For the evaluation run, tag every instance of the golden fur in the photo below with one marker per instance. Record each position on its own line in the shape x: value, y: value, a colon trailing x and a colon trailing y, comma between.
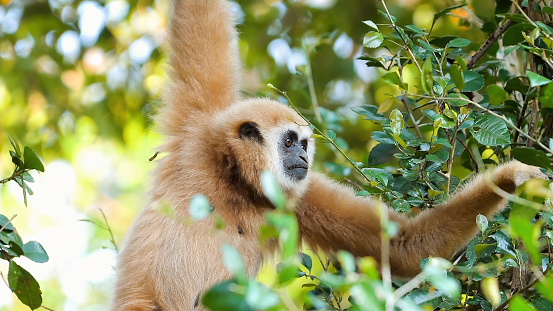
x: 166, y: 265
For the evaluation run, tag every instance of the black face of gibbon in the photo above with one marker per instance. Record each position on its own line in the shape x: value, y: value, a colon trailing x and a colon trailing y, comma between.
x: 294, y: 155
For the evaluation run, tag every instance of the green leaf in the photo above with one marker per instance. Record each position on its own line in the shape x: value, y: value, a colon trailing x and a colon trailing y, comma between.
x: 233, y: 261
x: 457, y: 99
x: 546, y: 96
x: 371, y: 24
x: 536, y: 79
x: 531, y: 156
x: 390, y: 18
x: 490, y: 130
x: 287, y: 227
x: 24, y: 285
x: 226, y: 296
x: 529, y: 234
x: 545, y: 287
x: 373, y: 39
x: 15, y: 146
x: 548, y: 30
x: 497, y: 94
x: 372, y: 61
x: 447, y: 10
x: 272, y: 190
x: 513, y: 35
x: 439, y: 156
x: 457, y: 76
x: 490, y: 288
x: 370, y: 112
x: 482, y: 222
x: 3, y: 221
x: 259, y: 297
x: 35, y: 252
x: 473, y: 81
x: 393, y: 78
x: 427, y: 80
x: 306, y: 261
x: 331, y: 134
x: 396, y: 121
x: 504, y: 243
x: 286, y: 272
x: 518, y: 303
x: 435, y: 272
x: 415, y: 29
x: 382, y: 153
x: 461, y: 62
x: 347, y: 261
x: 32, y: 162
x: 458, y: 43
x: 199, y: 207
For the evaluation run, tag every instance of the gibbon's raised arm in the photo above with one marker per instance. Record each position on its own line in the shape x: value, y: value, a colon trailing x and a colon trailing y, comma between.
x: 204, y: 64
x: 331, y: 217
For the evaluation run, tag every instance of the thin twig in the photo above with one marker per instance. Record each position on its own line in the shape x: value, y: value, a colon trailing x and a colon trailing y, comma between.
x: 9, y: 221
x: 108, y: 227
x: 471, y: 155
x: 488, y: 43
x: 401, y: 36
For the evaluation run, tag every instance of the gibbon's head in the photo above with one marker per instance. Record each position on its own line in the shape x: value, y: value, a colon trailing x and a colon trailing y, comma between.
x: 264, y: 135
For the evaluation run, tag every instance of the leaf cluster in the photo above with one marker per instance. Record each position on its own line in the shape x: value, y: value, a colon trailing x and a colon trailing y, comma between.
x: 20, y: 281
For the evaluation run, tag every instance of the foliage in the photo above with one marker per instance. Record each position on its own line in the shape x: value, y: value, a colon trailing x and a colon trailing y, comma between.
x: 426, y: 128
x: 454, y: 99
x: 20, y: 281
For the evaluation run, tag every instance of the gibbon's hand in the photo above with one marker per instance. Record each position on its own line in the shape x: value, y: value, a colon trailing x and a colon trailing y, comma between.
x: 524, y: 172
x: 514, y: 173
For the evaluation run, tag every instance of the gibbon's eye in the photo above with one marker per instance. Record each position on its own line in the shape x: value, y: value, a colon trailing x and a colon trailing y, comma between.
x: 304, y: 145
x: 288, y: 142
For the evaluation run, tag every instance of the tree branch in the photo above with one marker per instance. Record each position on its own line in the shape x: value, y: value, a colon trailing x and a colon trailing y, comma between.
x: 488, y: 43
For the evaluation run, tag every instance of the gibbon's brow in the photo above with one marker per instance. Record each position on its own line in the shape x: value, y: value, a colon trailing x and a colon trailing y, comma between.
x: 291, y: 134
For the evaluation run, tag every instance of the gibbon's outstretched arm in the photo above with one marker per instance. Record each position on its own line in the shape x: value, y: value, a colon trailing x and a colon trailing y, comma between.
x: 331, y: 217
x: 204, y: 64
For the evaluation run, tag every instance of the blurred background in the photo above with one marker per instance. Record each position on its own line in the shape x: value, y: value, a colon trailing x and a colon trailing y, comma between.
x: 80, y: 81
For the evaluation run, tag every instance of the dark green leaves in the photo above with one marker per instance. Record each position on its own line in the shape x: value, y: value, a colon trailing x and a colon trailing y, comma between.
x: 473, y: 81
x: 35, y: 252
x: 536, y: 79
x: 31, y: 160
x: 531, y: 156
x: 489, y: 130
x: 24, y: 285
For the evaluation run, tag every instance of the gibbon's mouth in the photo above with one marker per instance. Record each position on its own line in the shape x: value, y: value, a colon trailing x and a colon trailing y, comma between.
x: 298, y: 171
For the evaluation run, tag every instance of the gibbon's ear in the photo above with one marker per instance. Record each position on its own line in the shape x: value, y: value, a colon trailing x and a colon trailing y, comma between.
x: 250, y: 130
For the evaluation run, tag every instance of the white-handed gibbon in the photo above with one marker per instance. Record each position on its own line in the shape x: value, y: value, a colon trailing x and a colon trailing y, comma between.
x: 217, y: 144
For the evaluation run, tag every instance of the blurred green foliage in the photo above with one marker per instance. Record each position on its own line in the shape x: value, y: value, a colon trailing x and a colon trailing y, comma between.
x: 80, y: 80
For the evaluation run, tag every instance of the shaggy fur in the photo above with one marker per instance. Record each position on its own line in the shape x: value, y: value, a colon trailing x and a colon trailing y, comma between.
x: 167, y: 262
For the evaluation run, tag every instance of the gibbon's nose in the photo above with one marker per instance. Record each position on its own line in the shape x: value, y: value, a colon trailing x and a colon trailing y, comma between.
x: 304, y: 158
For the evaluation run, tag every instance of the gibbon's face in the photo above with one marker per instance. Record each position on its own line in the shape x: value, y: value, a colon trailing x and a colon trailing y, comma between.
x: 293, y: 155
x: 272, y: 137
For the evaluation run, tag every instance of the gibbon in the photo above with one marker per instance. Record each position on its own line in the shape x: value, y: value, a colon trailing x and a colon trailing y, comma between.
x: 217, y: 144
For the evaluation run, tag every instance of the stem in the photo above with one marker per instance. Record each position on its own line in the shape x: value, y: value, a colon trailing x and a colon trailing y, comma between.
x: 326, y: 138
x: 311, y: 86
x: 507, y: 121
x: 470, y: 154
x: 9, y: 221
x: 401, y: 36
x: 112, y: 239
x: 488, y: 43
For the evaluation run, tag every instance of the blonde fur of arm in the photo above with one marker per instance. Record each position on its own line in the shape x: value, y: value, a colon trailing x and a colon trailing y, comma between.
x: 204, y: 64
x: 331, y: 217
